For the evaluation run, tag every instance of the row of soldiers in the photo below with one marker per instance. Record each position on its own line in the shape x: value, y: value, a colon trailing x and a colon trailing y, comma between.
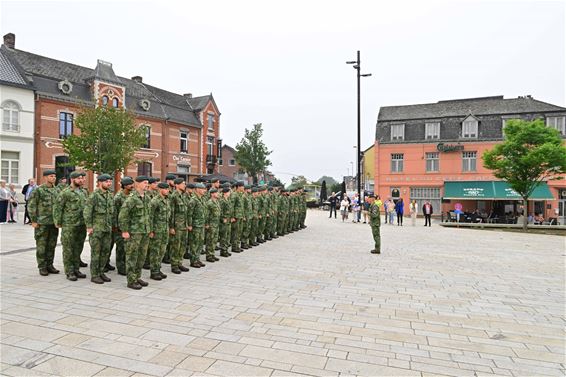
x: 153, y: 222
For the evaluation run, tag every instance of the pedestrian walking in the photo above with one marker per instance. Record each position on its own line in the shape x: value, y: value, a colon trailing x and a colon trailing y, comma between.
x: 344, y: 208
x: 427, y: 212
x: 391, y: 210
x: 375, y: 223
x: 4, y: 201
x: 41, y: 215
x: 399, y: 210
x: 413, y: 210
x: 365, y: 210
x: 13, y: 204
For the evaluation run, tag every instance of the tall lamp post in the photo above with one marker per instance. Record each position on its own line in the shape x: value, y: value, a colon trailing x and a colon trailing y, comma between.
x: 357, y: 67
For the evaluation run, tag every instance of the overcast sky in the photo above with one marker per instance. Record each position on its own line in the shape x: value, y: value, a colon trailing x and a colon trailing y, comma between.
x: 282, y: 63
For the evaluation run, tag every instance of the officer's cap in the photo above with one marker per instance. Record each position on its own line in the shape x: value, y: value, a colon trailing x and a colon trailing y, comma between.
x: 191, y: 186
x: 200, y: 186
x: 127, y: 181
x: 49, y: 172
x: 76, y: 174
x: 163, y: 185
x: 178, y: 181
x: 170, y: 177
x: 254, y: 189
x: 226, y: 189
x: 247, y: 187
x: 371, y: 196
x: 141, y: 178
x: 104, y: 178
x: 212, y: 190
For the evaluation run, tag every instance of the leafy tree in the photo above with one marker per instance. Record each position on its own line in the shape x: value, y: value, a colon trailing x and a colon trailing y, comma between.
x: 298, y: 181
x: 323, y: 192
x: 531, y: 153
x: 251, y: 153
x: 329, y: 180
x: 107, y: 140
x: 276, y: 182
x: 336, y: 187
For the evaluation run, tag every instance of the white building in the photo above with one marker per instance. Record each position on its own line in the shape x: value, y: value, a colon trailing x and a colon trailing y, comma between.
x: 17, y: 132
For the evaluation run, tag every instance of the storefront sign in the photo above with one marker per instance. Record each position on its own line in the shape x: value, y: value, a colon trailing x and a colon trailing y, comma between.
x: 441, y: 147
x: 473, y: 192
x: 181, y: 158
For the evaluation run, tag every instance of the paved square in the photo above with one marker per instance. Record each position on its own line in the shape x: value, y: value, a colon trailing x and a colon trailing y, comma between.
x: 436, y: 302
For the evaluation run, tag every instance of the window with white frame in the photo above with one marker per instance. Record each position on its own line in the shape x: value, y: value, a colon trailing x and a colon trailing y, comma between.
x: 396, y: 162
x: 184, y: 138
x: 432, y: 161
x: 147, y: 133
x: 397, y: 132
x: 10, y: 166
x: 186, y: 169
x: 65, y: 125
x: 557, y: 123
x: 470, y: 128
x: 432, y: 130
x: 144, y: 168
x: 211, y: 121
x: 423, y: 194
x: 469, y: 160
x: 232, y: 162
x: 220, y: 162
x: 11, y: 116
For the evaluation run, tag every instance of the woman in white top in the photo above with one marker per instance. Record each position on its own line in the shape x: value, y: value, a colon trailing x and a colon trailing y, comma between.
x: 344, y: 208
x: 413, y: 210
x: 4, y: 200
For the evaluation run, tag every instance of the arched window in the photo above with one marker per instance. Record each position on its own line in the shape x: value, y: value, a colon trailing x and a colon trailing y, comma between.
x: 11, y: 116
x: 104, y: 100
x: 115, y: 102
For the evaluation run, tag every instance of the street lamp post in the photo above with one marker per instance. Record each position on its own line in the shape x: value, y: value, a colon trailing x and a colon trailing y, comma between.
x: 357, y: 67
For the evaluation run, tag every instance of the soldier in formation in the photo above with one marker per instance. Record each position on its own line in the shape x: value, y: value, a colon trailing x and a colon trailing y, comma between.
x: 157, y: 223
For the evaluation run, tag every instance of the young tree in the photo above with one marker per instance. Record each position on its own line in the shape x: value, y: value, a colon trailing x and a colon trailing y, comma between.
x: 531, y: 153
x: 251, y: 153
x: 323, y: 192
x: 107, y: 141
x: 329, y: 180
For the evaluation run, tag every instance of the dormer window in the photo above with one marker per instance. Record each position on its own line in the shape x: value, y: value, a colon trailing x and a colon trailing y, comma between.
x: 397, y: 132
x: 104, y: 100
x: 470, y: 128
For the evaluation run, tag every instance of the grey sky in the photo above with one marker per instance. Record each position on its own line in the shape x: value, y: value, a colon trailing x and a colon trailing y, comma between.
x: 282, y: 63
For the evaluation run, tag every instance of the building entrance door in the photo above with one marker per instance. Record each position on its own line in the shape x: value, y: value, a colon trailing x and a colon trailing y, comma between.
x: 562, y: 211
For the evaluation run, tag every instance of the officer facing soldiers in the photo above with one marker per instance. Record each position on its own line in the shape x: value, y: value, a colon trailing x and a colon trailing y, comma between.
x: 99, y: 219
x: 68, y: 214
x: 178, y: 238
x: 375, y: 223
x: 225, y: 222
x: 127, y: 184
x: 40, y: 208
x: 196, y: 222
x: 134, y: 224
x: 213, y: 213
x: 161, y: 226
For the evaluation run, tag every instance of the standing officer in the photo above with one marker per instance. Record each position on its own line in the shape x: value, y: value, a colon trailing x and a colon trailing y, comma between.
x: 170, y: 179
x: 281, y: 212
x: 161, y: 225
x: 238, y: 214
x: 196, y: 221
x: 127, y: 184
x: 134, y: 224
x: 99, y: 218
x: 68, y: 214
x: 375, y: 223
x: 178, y: 237
x: 40, y: 208
x: 213, y: 215
x: 225, y: 221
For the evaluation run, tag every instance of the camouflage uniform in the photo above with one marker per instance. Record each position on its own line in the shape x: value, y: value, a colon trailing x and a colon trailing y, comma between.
x: 68, y: 214
x: 303, y: 209
x: 375, y: 224
x: 283, y: 208
x: 134, y: 219
x: 196, y: 219
x: 238, y: 214
x: 40, y: 208
x: 160, y: 220
x: 213, y: 213
x: 99, y: 215
x: 225, y: 218
x: 253, y: 219
x: 274, y: 213
x: 261, y: 214
x: 267, y: 210
x: 117, y: 239
x: 246, y: 220
x: 179, y: 222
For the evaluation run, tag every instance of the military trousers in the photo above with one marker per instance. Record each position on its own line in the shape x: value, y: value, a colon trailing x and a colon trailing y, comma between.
x: 73, y: 240
x: 246, y: 229
x: 274, y: 219
x: 45, y: 241
x: 267, y: 228
x: 260, y: 227
x: 136, y: 250
x: 375, y: 231
x: 224, y: 235
x: 120, y: 252
x: 280, y: 224
x: 100, y: 243
x: 157, y: 247
x: 235, y: 234
x: 211, y: 238
x: 196, y: 239
x: 178, y: 242
x: 253, y: 230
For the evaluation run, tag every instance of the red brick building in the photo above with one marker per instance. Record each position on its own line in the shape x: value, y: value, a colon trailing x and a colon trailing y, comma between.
x: 182, y: 130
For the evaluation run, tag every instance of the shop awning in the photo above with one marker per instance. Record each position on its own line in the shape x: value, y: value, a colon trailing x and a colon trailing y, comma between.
x: 490, y: 190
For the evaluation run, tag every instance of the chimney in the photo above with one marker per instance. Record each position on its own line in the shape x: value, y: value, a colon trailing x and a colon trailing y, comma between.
x: 10, y: 40
x: 188, y: 95
x: 137, y: 79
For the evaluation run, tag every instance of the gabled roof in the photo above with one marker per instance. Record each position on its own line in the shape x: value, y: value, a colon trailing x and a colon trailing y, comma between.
x: 9, y: 73
x: 199, y: 103
x: 47, y: 73
x: 464, y: 107
x: 228, y: 147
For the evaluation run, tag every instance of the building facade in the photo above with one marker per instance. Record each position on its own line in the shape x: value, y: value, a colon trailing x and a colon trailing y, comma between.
x: 176, y: 140
x: 228, y: 166
x: 420, y: 150
x: 17, y: 132
x: 368, y: 169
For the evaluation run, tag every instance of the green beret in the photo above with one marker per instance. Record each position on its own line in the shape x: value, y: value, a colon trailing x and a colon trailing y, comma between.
x: 226, y: 189
x: 127, y: 181
x: 212, y: 190
x: 170, y: 177
x: 104, y: 177
x: 76, y: 174
x: 49, y: 172
x: 214, y: 180
x: 226, y: 184
x: 153, y: 179
x: 163, y: 185
x: 254, y: 189
x: 141, y: 178
x: 239, y: 184
x: 200, y: 186
x: 191, y: 186
x: 247, y: 187
x: 178, y: 181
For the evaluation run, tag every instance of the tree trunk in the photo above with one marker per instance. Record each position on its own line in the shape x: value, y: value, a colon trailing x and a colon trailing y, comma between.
x: 525, y: 214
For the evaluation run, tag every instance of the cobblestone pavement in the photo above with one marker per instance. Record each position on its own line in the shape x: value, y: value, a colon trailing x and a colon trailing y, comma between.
x: 435, y: 302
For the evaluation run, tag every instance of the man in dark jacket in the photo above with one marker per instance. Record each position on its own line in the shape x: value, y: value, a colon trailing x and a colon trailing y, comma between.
x: 333, y: 201
x: 427, y: 212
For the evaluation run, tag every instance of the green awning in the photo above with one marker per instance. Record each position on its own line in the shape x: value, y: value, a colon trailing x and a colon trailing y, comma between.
x: 490, y: 190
